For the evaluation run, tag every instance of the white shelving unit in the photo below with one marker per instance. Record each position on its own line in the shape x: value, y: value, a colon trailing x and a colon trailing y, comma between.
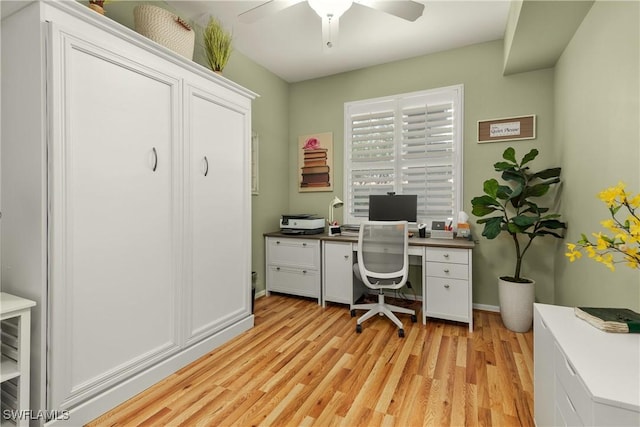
x: 15, y: 317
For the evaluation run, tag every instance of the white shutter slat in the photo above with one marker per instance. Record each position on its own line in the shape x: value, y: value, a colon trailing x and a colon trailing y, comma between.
x: 408, y: 144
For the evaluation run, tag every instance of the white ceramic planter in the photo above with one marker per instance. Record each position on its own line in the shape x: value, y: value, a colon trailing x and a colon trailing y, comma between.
x: 516, y: 304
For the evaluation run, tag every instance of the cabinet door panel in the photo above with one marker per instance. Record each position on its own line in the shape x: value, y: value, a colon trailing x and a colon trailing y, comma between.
x: 337, y: 272
x: 113, y: 291
x: 220, y: 289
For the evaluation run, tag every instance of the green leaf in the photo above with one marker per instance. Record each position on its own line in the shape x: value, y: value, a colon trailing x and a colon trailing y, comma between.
x: 490, y: 187
x: 501, y: 166
x: 515, y: 228
x: 504, y: 192
x: 484, y: 201
x: 524, y: 220
x: 492, y: 227
x: 536, y: 190
x: 480, y: 210
x: 606, y: 238
x: 514, y: 176
x: 529, y: 156
x: 548, y: 173
x: 510, y: 154
x: 553, y: 224
x: 545, y: 233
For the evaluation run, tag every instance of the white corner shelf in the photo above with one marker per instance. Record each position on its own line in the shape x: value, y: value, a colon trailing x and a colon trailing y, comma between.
x: 15, y: 318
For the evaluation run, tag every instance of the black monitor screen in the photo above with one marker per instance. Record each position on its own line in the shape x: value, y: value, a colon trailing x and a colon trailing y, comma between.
x: 397, y: 207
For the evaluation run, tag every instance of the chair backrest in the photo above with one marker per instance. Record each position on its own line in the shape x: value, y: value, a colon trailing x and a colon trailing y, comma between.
x: 383, y: 257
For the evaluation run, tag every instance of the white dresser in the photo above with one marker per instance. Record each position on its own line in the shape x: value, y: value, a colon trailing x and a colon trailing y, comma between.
x: 583, y: 376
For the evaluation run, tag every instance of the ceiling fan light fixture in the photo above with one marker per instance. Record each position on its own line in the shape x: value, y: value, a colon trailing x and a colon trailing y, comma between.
x: 330, y: 8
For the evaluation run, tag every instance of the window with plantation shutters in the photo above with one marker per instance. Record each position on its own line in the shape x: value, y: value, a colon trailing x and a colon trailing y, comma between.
x: 407, y: 144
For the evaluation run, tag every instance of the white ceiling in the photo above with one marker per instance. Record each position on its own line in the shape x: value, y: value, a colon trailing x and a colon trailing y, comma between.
x: 289, y: 43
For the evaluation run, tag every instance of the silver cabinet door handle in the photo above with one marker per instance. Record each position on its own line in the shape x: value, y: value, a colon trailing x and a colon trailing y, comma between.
x: 155, y: 159
x: 206, y: 166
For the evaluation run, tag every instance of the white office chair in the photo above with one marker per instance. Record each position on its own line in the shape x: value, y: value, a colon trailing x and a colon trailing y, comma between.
x: 383, y: 263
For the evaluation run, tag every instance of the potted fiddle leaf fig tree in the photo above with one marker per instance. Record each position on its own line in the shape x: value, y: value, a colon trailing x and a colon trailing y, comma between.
x: 511, y: 208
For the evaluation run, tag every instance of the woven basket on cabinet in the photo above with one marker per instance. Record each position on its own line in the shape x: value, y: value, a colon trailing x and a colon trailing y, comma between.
x: 165, y: 28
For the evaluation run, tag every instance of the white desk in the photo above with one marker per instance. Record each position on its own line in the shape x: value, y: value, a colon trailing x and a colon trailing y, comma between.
x: 320, y: 266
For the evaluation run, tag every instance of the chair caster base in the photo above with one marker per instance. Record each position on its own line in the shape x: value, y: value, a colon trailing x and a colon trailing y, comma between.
x: 401, y: 333
x: 414, y: 319
x: 359, y: 328
x: 353, y: 313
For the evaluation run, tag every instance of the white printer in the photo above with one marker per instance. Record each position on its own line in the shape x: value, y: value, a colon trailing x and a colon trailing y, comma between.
x: 301, y: 224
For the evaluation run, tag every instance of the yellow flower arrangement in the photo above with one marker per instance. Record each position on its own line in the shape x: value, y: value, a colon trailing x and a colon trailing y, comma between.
x: 624, y: 240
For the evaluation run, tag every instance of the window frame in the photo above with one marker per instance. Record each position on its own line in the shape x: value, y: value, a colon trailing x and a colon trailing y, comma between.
x: 400, y: 103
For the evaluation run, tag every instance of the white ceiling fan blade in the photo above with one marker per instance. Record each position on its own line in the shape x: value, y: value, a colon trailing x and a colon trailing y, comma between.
x: 265, y: 9
x: 409, y: 10
x: 329, y: 33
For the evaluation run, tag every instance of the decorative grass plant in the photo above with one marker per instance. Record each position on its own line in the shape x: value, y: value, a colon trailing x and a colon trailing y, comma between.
x: 217, y: 44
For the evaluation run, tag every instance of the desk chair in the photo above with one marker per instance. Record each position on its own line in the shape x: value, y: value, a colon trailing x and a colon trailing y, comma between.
x: 383, y: 263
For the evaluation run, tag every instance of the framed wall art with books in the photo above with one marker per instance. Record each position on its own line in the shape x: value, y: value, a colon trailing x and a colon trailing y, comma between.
x: 315, y: 160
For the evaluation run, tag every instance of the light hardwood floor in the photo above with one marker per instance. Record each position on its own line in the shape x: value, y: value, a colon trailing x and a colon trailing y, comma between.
x: 304, y: 365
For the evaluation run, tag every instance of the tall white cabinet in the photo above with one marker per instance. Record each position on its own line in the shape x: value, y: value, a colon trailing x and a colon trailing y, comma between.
x: 123, y: 165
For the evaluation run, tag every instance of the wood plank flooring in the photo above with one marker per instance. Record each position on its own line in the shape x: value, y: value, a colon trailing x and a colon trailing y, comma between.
x: 302, y: 365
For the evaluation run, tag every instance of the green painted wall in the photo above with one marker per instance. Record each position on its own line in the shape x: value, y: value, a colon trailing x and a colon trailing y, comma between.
x: 598, y: 144
x: 318, y: 106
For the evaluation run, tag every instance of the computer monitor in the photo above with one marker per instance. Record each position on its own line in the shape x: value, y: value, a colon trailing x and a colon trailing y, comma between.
x: 396, y: 207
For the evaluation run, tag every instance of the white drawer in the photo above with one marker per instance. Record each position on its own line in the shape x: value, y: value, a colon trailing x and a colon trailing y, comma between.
x: 448, y: 270
x: 456, y: 256
x: 566, y: 414
x: 572, y: 384
x: 448, y: 299
x: 294, y: 252
x: 293, y: 281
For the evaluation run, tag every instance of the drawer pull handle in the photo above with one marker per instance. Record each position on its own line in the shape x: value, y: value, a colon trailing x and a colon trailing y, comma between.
x: 446, y: 270
x: 446, y: 286
x: 570, y: 368
x: 304, y: 244
x: 155, y: 159
x: 277, y: 268
x: 346, y: 257
x: 304, y: 271
x: 573, y: 408
x: 277, y: 242
x: 446, y: 255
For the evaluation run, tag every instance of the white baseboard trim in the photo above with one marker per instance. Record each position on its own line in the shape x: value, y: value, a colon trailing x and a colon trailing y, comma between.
x: 112, y: 397
x: 409, y: 296
x: 486, y: 307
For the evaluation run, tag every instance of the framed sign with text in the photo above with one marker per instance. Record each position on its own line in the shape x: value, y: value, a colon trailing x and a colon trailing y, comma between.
x: 507, y: 129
